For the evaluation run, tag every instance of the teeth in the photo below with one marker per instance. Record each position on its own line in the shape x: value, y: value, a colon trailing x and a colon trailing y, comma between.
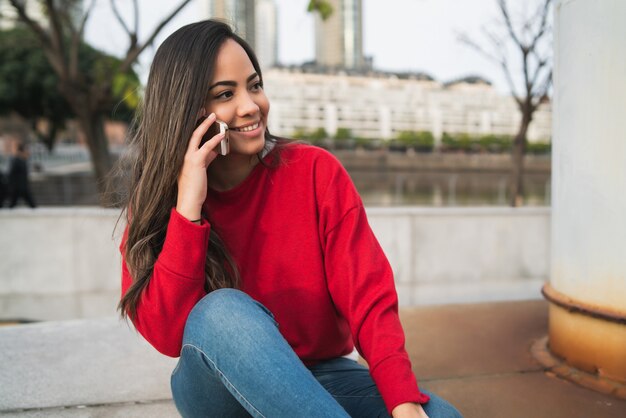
x: 248, y: 128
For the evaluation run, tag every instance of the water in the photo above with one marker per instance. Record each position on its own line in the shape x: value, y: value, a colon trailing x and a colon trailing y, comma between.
x: 446, y: 188
x: 389, y: 184
x: 377, y: 188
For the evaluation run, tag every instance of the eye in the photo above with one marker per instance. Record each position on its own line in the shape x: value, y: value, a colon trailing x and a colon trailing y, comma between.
x: 224, y: 95
x: 258, y: 85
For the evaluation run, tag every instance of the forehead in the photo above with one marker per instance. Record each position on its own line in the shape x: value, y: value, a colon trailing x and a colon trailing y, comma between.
x: 232, y: 62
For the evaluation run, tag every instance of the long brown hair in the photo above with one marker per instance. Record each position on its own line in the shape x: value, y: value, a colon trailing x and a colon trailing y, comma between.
x: 180, y: 74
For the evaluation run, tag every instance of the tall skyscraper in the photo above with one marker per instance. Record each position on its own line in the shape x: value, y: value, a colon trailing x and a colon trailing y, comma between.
x: 240, y: 14
x: 266, y: 33
x: 254, y: 20
x: 339, y: 39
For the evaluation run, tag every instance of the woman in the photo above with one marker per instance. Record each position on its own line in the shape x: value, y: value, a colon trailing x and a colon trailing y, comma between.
x: 257, y: 268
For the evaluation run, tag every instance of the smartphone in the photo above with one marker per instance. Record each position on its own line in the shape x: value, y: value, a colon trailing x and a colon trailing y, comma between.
x: 216, y: 127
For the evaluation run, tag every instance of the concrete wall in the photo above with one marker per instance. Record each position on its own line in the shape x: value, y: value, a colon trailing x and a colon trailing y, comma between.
x: 58, y: 263
x: 465, y: 254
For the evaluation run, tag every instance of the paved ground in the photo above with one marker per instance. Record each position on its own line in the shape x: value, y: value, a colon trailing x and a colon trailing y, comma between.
x: 476, y: 356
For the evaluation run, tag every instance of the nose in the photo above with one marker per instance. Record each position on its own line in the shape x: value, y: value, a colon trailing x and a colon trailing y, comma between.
x: 247, y: 106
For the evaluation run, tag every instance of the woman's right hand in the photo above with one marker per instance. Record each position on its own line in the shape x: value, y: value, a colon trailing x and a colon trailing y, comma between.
x: 192, y: 180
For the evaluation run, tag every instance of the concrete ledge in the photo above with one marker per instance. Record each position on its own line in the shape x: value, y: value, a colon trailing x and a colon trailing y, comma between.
x: 154, y: 409
x: 79, y: 362
x: 476, y: 356
x: 64, y: 263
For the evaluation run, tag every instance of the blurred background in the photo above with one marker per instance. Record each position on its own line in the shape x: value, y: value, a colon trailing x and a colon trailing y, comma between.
x: 430, y: 103
x: 439, y: 110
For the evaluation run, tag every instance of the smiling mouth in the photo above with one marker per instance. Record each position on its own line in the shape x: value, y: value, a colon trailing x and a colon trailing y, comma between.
x: 247, y: 128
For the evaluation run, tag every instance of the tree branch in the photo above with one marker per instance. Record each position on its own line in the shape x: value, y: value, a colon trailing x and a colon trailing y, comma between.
x: 136, y: 9
x: 499, y: 59
x: 50, y: 47
x: 83, y: 22
x: 507, y: 21
x: 526, y: 70
x: 56, y: 28
x: 77, y: 37
x: 463, y: 38
x: 542, y: 92
x: 543, y: 27
x: 132, y: 35
x: 509, y: 80
x: 527, y: 42
x: 36, y: 27
x: 134, y: 50
x: 541, y: 63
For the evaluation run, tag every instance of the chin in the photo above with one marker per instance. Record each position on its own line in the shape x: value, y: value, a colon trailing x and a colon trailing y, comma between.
x: 252, y: 147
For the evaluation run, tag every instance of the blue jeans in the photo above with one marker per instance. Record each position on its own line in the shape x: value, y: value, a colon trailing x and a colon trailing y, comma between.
x: 235, y: 363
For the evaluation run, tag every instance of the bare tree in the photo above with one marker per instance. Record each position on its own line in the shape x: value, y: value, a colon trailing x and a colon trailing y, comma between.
x: 528, y: 39
x: 89, y: 95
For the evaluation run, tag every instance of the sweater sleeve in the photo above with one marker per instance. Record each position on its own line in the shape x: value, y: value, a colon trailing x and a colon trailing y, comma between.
x: 361, y: 284
x: 176, y: 285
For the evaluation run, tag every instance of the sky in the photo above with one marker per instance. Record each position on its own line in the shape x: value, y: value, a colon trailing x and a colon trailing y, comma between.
x: 400, y: 35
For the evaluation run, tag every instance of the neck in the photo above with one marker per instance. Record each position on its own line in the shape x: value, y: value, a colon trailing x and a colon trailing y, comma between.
x: 227, y: 172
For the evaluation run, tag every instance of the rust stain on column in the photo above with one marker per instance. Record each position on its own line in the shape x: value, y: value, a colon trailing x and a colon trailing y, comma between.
x: 591, y: 339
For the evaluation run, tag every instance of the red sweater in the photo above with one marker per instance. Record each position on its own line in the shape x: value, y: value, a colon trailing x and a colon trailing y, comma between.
x: 305, y: 250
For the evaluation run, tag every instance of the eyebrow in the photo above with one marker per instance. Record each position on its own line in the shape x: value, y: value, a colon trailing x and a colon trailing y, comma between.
x: 233, y: 83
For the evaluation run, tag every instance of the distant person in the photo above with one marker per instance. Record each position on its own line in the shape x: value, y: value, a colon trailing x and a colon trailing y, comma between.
x: 3, y: 189
x: 18, y: 178
x: 256, y: 266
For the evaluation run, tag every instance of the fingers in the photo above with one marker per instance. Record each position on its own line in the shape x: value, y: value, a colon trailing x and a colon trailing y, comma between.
x: 198, y: 133
x: 210, y: 145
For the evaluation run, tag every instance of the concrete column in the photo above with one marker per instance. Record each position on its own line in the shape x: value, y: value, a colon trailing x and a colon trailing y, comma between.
x: 436, y: 116
x: 330, y: 119
x: 384, y: 118
x: 587, y: 289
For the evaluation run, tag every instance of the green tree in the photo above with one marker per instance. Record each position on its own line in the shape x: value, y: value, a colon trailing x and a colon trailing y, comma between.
x: 539, y: 148
x: 323, y: 7
x: 343, y: 134
x: 318, y: 135
x: 495, y: 143
x: 419, y: 141
x: 344, y: 139
x: 90, y: 91
x: 28, y: 84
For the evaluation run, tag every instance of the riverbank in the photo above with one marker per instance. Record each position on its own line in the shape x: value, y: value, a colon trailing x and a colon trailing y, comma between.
x: 366, y: 160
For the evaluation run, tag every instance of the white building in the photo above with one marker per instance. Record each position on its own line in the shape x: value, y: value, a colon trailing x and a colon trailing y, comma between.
x: 382, y: 105
x: 266, y: 33
x: 339, y: 39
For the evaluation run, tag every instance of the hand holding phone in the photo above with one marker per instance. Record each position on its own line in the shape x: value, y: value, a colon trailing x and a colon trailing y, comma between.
x: 216, y: 127
x: 192, y: 179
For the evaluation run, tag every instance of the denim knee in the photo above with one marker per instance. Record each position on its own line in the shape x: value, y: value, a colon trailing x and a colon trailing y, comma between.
x: 222, y: 314
x: 440, y: 408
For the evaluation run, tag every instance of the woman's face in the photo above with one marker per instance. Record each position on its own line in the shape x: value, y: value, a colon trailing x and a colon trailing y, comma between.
x: 237, y: 98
